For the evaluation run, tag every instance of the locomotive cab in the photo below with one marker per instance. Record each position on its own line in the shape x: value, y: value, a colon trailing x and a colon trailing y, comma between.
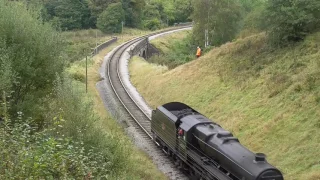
x: 209, y: 150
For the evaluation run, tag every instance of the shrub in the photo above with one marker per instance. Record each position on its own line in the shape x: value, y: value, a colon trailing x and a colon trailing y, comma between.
x: 110, y: 19
x: 291, y: 20
x: 33, y: 51
x: 29, y: 154
x: 180, y: 52
x: 70, y: 103
x: 152, y: 24
x: 221, y: 19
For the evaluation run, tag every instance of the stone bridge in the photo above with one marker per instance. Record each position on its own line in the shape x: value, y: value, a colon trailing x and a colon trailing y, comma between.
x: 144, y: 49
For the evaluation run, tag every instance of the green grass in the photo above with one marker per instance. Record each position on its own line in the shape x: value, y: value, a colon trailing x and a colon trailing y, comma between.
x: 269, y: 98
x: 137, y: 164
x: 175, y: 48
x: 82, y: 42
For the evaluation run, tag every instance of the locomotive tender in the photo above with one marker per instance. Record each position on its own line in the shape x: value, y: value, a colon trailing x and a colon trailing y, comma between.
x: 204, y: 149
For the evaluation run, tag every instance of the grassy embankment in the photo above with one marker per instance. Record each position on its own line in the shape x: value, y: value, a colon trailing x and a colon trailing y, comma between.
x: 268, y: 98
x: 138, y: 164
x: 175, y: 48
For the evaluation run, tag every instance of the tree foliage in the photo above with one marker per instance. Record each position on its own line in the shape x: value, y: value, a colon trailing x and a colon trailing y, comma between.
x: 27, y: 48
x: 291, y: 20
x: 152, y: 17
x: 160, y: 13
x: 183, y: 10
x: 221, y: 18
x: 110, y: 20
x: 69, y: 14
x: 133, y: 12
x: 82, y: 14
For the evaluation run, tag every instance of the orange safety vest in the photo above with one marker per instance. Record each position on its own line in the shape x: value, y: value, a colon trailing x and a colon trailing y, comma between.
x: 198, y: 52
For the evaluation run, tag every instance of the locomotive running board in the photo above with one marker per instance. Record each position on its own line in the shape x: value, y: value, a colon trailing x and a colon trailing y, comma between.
x: 212, y: 170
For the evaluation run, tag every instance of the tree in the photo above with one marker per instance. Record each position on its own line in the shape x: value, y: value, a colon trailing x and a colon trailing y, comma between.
x: 220, y: 18
x: 69, y: 14
x: 98, y: 6
x: 133, y: 12
x: 250, y: 5
x: 110, y: 20
x: 183, y: 10
x: 30, y: 52
x: 291, y: 20
x: 152, y: 17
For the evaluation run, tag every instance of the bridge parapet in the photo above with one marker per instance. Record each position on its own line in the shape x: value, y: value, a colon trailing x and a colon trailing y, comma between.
x: 97, y: 49
x: 144, y: 49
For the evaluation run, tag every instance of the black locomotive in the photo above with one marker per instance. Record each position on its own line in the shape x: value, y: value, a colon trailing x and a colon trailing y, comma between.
x: 204, y: 149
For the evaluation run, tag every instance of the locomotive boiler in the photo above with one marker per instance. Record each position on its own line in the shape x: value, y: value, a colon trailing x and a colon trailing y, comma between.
x: 204, y: 149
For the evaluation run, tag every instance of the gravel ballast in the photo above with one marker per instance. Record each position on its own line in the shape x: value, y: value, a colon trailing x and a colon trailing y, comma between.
x: 112, y: 105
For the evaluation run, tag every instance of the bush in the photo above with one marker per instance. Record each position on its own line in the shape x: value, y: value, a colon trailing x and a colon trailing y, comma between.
x: 31, y: 51
x: 68, y: 14
x: 152, y: 24
x: 291, y: 20
x: 110, y: 20
x: 73, y: 105
x: 6, y: 72
x: 71, y: 146
x: 180, y: 52
x: 29, y: 154
x: 221, y: 19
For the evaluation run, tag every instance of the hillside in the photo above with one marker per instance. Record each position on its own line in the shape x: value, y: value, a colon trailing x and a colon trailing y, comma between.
x: 268, y: 98
x: 176, y: 49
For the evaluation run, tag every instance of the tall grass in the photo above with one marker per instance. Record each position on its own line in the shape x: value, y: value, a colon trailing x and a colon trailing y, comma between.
x: 176, y: 49
x: 48, y: 126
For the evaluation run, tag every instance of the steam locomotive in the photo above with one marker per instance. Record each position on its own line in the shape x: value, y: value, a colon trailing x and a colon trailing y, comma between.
x: 204, y: 149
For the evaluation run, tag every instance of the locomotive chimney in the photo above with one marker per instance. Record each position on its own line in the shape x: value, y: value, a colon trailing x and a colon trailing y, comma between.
x: 260, y: 157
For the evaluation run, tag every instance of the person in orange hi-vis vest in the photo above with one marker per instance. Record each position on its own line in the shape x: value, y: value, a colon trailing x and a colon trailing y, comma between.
x: 198, y: 52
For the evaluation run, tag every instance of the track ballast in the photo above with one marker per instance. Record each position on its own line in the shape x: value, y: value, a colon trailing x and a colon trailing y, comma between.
x: 138, y: 118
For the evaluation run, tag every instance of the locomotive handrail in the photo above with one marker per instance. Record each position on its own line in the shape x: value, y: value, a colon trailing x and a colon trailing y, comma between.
x: 221, y: 153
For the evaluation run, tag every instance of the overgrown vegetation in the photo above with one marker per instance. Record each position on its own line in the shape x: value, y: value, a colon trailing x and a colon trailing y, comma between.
x: 268, y: 98
x: 291, y: 20
x: 27, y: 48
x: 111, y: 19
x: 216, y: 21
x: 175, y: 49
x: 84, y: 14
x: 48, y: 126
x: 285, y: 22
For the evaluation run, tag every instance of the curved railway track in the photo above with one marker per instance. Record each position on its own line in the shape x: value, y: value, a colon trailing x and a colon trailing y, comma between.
x: 139, y: 118
x: 138, y: 115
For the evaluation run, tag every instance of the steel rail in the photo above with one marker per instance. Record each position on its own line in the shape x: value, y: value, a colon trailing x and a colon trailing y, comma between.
x: 135, y: 111
x: 138, y: 115
x: 121, y: 50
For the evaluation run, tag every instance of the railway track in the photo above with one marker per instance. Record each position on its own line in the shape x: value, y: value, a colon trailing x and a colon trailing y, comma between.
x: 138, y: 118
